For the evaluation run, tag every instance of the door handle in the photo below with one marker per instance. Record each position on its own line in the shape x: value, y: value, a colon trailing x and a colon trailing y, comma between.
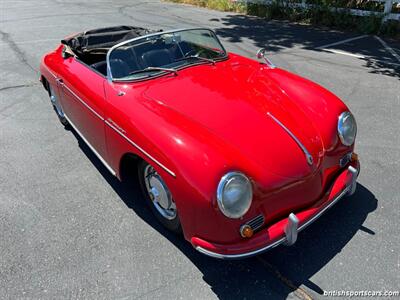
x: 60, y: 81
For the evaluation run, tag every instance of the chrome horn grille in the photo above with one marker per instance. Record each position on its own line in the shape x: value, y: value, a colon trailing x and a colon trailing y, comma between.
x: 256, y: 222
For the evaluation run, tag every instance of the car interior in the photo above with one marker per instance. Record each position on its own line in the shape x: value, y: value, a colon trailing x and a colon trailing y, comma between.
x: 91, y: 48
x: 152, y: 53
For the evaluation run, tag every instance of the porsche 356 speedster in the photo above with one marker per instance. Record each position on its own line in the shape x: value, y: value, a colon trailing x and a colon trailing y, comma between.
x: 235, y: 153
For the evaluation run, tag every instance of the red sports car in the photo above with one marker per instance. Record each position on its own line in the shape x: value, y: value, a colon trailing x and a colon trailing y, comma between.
x: 235, y: 153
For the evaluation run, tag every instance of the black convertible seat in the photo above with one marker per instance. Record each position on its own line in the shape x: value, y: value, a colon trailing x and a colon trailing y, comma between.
x: 157, y: 58
x: 119, y: 68
x: 128, y: 56
x: 100, y: 66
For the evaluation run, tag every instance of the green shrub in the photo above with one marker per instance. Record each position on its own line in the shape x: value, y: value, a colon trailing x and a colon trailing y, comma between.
x: 321, y: 14
x: 370, y: 24
x: 391, y: 28
x: 224, y: 5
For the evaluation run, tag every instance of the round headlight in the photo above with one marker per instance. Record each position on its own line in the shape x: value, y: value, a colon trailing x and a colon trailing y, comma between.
x: 347, y: 128
x: 234, y: 195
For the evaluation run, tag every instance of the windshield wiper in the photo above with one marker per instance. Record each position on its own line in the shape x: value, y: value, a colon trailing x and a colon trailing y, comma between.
x: 149, y: 69
x: 197, y: 57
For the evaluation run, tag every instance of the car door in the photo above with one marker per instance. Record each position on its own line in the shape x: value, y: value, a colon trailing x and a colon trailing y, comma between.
x: 83, y: 102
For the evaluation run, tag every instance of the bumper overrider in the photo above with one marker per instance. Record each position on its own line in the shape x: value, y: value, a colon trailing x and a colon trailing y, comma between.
x: 284, y: 231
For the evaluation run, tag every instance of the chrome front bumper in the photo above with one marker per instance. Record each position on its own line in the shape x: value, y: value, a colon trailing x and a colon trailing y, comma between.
x: 292, y: 228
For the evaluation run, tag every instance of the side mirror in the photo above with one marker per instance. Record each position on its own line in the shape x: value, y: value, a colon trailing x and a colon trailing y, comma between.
x: 261, y: 54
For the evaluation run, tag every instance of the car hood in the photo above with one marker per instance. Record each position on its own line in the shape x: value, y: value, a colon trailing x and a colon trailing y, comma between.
x: 242, y: 106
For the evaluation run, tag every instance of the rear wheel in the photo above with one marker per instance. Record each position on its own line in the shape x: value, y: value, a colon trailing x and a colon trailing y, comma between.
x: 56, y: 105
x: 158, y: 197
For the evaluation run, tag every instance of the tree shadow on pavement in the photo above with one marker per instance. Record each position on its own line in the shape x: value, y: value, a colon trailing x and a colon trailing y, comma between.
x: 275, y: 274
x: 274, y: 35
x: 278, y: 36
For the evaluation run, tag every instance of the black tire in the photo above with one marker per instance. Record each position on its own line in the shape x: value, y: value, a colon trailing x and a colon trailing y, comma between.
x: 58, y: 110
x: 174, y: 224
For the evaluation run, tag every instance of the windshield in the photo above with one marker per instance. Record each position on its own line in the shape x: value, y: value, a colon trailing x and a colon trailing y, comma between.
x: 160, y: 53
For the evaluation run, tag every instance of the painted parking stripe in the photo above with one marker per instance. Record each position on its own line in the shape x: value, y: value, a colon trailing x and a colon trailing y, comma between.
x: 343, y: 41
x: 343, y: 53
x: 388, y: 48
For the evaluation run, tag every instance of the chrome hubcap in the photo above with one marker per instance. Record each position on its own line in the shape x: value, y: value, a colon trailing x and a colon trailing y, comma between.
x: 56, y: 103
x: 159, y: 193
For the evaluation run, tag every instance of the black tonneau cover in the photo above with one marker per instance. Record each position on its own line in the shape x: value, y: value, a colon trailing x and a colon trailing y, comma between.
x: 99, y: 41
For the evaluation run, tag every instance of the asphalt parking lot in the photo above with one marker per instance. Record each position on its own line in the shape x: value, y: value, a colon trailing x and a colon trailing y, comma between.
x: 68, y: 229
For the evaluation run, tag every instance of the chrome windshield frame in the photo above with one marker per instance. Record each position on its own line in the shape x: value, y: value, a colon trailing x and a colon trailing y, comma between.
x: 109, y: 74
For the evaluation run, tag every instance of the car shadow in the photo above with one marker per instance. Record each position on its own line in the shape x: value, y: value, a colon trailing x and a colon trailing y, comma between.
x: 272, y: 275
x: 277, y: 36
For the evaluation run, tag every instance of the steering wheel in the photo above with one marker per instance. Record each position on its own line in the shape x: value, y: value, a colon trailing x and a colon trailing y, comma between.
x: 193, y: 52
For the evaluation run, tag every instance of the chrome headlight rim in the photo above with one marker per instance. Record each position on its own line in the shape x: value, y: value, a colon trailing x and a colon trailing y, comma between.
x: 341, y: 119
x: 220, y: 194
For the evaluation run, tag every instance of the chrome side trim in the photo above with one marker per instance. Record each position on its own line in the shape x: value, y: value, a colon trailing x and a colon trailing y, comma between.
x: 91, y: 147
x: 140, y: 148
x: 119, y: 131
x: 302, y: 147
x: 283, y: 239
x: 116, y: 126
x: 83, y: 102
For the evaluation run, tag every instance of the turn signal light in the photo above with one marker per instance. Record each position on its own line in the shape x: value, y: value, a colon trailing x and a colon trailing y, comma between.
x: 246, y: 231
x: 354, y: 157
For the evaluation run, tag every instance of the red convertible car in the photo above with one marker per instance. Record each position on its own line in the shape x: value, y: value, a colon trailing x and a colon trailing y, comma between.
x: 235, y: 153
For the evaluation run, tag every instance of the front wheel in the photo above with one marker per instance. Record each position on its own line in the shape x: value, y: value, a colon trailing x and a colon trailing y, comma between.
x: 57, y: 106
x: 158, y: 197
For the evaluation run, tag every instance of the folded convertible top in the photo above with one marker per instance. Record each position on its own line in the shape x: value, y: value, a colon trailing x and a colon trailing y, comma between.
x: 102, y: 39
